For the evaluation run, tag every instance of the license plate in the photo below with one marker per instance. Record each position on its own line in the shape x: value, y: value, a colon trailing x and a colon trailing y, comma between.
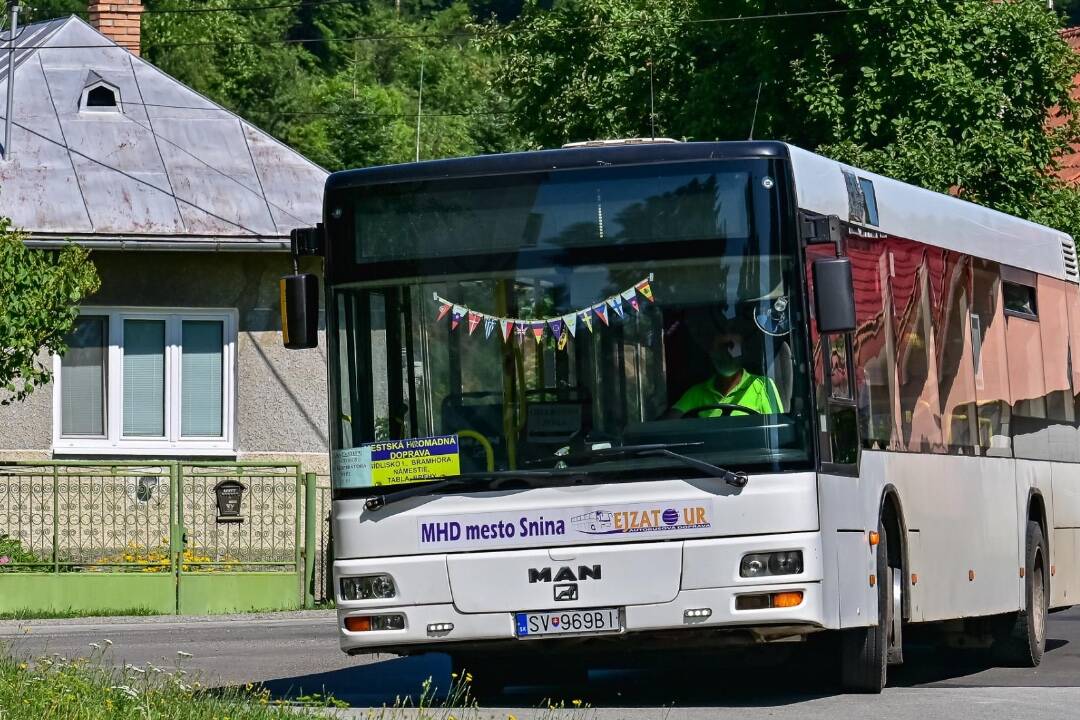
x: 567, y: 622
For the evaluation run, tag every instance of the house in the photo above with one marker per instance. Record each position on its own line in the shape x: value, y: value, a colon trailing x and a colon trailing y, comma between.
x: 187, y: 209
x: 1069, y: 170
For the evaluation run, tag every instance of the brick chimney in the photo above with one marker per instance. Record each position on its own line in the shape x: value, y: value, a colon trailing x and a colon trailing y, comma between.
x: 118, y: 20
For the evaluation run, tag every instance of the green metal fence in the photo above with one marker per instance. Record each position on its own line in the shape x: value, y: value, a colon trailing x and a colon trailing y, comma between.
x: 115, y: 535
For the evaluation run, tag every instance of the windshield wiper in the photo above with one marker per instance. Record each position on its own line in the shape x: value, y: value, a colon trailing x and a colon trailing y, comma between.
x: 480, y: 478
x: 735, y: 479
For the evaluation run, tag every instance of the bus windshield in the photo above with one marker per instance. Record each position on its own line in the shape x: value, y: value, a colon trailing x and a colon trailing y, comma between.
x: 515, y: 321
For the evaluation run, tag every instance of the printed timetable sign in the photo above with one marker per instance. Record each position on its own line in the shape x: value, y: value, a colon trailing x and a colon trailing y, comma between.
x: 394, y: 462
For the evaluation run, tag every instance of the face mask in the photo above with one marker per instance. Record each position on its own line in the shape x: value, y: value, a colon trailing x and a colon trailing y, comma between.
x: 727, y: 360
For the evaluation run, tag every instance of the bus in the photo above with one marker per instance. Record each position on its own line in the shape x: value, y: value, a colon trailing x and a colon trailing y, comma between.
x: 664, y: 396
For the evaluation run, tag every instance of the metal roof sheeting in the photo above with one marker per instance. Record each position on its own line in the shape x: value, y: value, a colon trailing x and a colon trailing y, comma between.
x: 171, y: 165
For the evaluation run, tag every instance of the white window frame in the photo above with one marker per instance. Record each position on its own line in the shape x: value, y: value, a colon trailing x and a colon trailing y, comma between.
x: 171, y: 444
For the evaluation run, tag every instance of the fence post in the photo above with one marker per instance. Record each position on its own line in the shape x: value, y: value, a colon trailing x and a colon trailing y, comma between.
x: 310, y: 551
x: 176, y: 542
x: 56, y: 518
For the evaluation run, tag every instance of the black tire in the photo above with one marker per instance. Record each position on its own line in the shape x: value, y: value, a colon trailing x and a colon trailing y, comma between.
x: 1021, y: 640
x: 864, y: 652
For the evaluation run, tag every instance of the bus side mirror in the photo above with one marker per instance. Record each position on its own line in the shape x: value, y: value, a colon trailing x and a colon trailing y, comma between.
x: 834, y: 295
x: 300, y: 311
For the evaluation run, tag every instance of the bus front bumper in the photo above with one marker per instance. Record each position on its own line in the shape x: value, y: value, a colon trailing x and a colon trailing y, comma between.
x: 437, y: 627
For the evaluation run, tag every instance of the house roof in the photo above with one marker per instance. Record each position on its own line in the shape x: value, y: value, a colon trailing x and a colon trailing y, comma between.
x: 1070, y: 162
x: 169, y: 168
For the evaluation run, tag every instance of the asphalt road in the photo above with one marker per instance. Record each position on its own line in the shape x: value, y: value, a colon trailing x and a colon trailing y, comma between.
x: 296, y: 653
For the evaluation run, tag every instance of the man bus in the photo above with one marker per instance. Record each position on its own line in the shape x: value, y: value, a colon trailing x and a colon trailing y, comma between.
x: 507, y: 337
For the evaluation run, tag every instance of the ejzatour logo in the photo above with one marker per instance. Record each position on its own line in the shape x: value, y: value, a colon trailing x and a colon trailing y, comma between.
x: 564, y: 574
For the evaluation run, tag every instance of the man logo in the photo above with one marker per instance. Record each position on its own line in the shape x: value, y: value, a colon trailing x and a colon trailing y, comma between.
x: 564, y: 574
x: 566, y: 591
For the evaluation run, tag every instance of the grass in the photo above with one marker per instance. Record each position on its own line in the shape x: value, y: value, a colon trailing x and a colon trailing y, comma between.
x: 93, y: 688
x: 71, y: 613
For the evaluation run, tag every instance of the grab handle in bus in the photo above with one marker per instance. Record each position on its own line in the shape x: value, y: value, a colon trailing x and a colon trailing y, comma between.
x: 489, y: 452
x: 834, y: 295
x: 300, y: 311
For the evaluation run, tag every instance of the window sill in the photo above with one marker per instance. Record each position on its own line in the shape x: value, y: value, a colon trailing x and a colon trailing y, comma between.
x: 148, y: 450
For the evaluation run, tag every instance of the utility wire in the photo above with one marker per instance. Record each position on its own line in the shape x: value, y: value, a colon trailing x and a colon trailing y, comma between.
x: 457, y: 34
x: 235, y: 9
x: 328, y: 113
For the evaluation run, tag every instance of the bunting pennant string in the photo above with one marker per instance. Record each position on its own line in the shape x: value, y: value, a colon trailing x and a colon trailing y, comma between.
x: 561, y: 327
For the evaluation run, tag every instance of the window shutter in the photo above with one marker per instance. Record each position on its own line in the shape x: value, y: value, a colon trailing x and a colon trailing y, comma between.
x: 144, y: 378
x: 82, y: 378
x: 201, y: 378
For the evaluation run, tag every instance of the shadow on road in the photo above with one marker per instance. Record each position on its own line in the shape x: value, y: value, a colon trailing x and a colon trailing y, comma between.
x: 749, y: 679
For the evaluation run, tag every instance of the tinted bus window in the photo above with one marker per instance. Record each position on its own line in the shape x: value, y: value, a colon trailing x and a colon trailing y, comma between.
x: 992, y: 393
x: 874, y: 352
x: 956, y: 366
x: 1054, y: 327
x: 920, y: 429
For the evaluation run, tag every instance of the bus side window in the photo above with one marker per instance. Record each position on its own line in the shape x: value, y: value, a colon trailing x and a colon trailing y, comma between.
x: 1026, y: 382
x: 1072, y: 296
x: 874, y: 359
x: 1063, y: 439
x: 992, y: 393
x: 956, y: 367
x: 916, y: 361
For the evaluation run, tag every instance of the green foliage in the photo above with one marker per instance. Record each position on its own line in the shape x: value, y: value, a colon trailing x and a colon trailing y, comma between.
x: 949, y: 94
x: 953, y: 95
x: 39, y: 296
x: 12, y: 553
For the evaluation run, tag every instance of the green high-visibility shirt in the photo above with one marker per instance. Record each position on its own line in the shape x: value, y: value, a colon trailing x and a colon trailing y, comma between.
x: 753, y: 391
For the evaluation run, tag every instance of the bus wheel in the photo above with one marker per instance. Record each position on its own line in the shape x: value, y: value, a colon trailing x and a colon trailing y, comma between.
x: 864, y: 652
x: 1022, y: 638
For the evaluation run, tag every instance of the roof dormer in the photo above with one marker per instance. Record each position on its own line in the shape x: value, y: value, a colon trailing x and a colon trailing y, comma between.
x: 99, y: 95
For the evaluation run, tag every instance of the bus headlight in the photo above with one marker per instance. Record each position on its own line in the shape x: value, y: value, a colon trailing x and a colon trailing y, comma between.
x: 368, y: 587
x: 786, y: 562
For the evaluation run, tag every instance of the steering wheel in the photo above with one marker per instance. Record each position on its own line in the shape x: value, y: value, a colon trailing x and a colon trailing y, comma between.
x: 728, y: 407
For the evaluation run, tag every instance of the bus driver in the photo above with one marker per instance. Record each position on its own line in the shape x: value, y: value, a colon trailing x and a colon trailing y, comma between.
x: 732, y: 389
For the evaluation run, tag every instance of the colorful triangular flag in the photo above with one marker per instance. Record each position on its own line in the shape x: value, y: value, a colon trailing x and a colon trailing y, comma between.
x: 616, y: 304
x: 474, y: 321
x: 601, y: 312
x: 630, y: 296
x: 570, y: 321
x: 506, y: 326
x: 586, y: 318
x: 443, y: 309
x: 456, y: 315
x: 538, y: 331
x: 489, y: 326
x: 645, y: 288
x: 556, y: 328
x: 521, y: 329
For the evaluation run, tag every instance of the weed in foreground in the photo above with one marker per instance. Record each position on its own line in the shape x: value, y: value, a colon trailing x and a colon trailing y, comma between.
x: 94, y: 688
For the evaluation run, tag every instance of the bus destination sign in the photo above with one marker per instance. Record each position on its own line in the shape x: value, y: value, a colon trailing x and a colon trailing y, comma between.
x: 395, y: 462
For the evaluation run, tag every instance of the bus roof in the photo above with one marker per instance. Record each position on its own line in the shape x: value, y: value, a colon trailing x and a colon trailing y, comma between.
x: 904, y: 210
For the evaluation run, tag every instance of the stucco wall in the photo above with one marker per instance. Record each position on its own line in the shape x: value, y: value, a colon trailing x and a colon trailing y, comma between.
x: 281, y: 394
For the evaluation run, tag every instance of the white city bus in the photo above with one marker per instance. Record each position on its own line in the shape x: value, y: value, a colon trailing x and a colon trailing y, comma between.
x: 672, y: 395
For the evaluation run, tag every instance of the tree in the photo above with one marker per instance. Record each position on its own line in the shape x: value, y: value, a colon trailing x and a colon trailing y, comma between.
x: 953, y: 95
x: 39, y: 296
